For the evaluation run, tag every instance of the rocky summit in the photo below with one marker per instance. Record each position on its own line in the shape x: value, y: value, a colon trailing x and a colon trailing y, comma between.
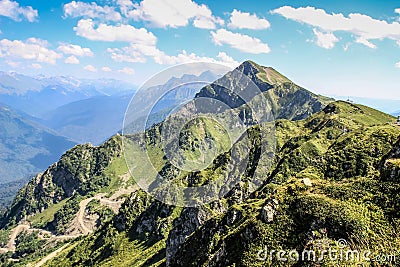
x: 332, y: 182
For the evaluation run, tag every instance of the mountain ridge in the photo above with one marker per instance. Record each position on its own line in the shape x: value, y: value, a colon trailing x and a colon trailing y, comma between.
x: 28, y: 143
x: 287, y: 99
x: 333, y: 176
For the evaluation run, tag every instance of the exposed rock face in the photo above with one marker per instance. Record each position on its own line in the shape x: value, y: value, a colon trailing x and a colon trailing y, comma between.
x: 269, y: 210
x: 190, y: 220
x: 307, y: 182
x: 78, y: 171
x: 283, y: 212
x: 287, y: 100
x: 390, y: 166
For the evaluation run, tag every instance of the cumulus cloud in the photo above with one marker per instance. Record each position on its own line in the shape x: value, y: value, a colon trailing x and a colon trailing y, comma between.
x: 174, y: 13
x: 363, y: 27
x: 13, y: 10
x: 244, y: 20
x: 124, y: 33
x: 71, y: 60
x: 90, y: 68
x: 140, y: 53
x: 91, y: 10
x: 75, y: 50
x: 32, y: 49
x: 397, y: 65
x: 397, y: 10
x: 127, y: 71
x: 125, y: 6
x: 223, y: 57
x: 106, y: 69
x: 240, y: 42
x: 127, y: 54
x: 325, y: 40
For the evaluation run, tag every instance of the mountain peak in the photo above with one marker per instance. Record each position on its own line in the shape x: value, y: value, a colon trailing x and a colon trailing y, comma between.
x: 265, y: 74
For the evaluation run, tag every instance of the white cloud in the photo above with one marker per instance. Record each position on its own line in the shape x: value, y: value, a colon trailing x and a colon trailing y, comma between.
x: 125, y: 6
x: 397, y: 10
x: 397, y: 65
x: 90, y: 68
x: 227, y: 59
x: 365, y: 42
x: 126, y: 54
x: 71, y: 60
x: 36, y: 66
x: 16, y: 12
x: 140, y: 53
x: 363, y: 27
x: 244, y: 20
x: 31, y: 49
x: 127, y: 71
x: 240, y: 42
x: 325, y: 40
x: 75, y: 50
x: 123, y: 33
x: 106, y: 69
x: 174, y: 13
x: 80, y: 9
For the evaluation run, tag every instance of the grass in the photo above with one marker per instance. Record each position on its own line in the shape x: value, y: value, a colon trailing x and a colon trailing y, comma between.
x: 271, y: 76
x: 363, y: 115
x: 115, y: 170
x: 41, y: 219
x: 135, y: 253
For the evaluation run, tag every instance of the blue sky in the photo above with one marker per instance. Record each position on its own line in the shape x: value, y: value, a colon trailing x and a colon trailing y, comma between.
x: 347, y: 48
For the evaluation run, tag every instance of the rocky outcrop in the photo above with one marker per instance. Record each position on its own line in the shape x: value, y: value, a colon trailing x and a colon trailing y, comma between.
x: 390, y: 165
x: 287, y: 100
x: 190, y: 220
x: 79, y: 171
x: 268, y: 212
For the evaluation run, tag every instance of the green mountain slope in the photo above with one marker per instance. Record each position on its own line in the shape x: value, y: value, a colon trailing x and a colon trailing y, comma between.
x: 25, y: 146
x: 334, y: 176
x: 80, y: 171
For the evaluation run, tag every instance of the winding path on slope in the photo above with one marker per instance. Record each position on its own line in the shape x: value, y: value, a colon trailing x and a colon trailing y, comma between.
x: 50, y: 256
x: 14, y: 234
x: 113, y: 202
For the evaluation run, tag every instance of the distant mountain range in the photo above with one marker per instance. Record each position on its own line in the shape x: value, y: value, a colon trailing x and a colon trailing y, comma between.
x: 42, y: 117
x: 38, y: 95
x: 90, y: 120
x: 26, y: 147
x: 332, y: 178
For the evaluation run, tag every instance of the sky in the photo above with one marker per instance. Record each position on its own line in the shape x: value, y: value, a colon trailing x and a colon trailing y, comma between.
x: 331, y: 47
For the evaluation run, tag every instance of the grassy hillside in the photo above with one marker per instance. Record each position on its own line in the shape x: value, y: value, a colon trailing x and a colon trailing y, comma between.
x: 334, y: 178
x: 331, y: 175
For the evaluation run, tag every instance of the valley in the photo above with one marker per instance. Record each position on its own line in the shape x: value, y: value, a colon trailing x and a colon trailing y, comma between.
x: 333, y: 176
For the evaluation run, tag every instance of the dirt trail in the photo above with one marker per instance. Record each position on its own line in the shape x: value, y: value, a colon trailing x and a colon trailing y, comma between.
x: 80, y: 216
x: 81, y: 225
x: 50, y: 256
x: 14, y: 234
